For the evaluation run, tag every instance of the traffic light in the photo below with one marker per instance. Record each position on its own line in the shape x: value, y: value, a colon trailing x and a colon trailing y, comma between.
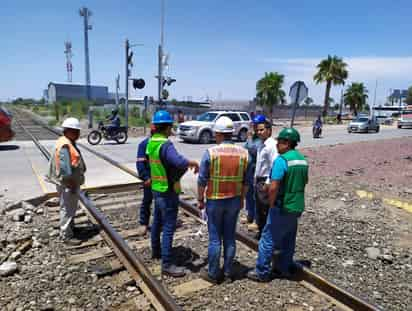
x: 138, y: 84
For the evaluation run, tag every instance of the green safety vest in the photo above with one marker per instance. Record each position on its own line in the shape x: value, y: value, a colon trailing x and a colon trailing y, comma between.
x: 294, y: 182
x: 158, y: 173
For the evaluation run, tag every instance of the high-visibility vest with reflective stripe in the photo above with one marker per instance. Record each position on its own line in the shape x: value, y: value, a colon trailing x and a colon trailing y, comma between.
x: 295, y: 180
x: 228, y: 164
x: 76, y: 162
x: 157, y: 171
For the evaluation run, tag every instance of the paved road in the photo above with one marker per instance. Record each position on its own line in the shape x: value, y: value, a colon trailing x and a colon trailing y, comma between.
x: 22, y: 167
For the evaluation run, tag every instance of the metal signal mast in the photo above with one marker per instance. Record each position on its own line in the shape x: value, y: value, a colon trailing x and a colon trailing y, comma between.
x: 86, y: 13
x: 69, y: 55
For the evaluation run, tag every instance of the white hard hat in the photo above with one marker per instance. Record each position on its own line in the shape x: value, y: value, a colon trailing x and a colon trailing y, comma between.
x: 71, y: 123
x: 224, y: 125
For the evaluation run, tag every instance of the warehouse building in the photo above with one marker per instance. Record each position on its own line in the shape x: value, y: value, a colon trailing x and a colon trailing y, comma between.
x: 70, y: 92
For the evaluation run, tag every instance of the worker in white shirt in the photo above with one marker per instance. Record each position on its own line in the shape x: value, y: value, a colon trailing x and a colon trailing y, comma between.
x: 266, y: 154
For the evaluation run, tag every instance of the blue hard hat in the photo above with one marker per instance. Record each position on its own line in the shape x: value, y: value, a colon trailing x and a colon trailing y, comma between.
x: 260, y: 118
x: 162, y: 117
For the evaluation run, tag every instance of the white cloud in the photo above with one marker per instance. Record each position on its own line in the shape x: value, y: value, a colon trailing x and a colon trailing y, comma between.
x: 390, y: 72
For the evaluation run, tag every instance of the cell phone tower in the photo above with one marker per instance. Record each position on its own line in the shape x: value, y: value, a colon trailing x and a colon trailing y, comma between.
x: 69, y: 55
x: 86, y: 14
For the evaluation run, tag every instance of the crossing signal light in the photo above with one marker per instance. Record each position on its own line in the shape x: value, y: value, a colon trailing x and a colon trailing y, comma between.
x: 138, y: 84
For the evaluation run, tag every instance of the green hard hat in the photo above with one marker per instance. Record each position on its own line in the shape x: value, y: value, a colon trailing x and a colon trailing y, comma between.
x: 289, y: 133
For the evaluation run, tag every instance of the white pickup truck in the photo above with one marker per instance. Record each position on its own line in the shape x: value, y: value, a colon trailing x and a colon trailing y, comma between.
x: 405, y: 120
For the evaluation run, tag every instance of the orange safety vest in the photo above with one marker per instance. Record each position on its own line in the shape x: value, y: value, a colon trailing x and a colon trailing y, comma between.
x: 75, y: 156
x: 228, y: 164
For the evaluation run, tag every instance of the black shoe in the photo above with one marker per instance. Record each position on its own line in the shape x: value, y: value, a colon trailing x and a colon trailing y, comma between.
x: 204, y: 274
x: 252, y: 275
x: 174, y: 271
x: 229, y: 278
x: 156, y: 255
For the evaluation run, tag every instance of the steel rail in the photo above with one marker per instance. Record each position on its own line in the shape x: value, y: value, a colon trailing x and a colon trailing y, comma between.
x: 326, y: 287
x: 132, y: 261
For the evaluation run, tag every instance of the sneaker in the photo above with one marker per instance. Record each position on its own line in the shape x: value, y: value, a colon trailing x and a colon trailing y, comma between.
x: 72, y: 242
x: 174, y: 271
x: 204, y: 274
x: 252, y: 275
x: 253, y: 227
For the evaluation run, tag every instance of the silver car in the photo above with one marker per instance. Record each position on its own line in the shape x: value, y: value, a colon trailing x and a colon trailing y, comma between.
x: 363, y: 124
x: 201, y: 129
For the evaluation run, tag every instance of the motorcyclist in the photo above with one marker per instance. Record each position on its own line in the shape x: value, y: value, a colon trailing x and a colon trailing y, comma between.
x: 317, y: 126
x: 115, y: 122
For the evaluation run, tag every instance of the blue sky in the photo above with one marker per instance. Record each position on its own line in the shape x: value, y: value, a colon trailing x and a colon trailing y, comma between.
x: 217, y: 48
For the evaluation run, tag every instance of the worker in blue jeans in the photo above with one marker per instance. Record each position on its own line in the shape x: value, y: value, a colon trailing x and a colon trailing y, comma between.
x: 252, y: 145
x: 286, y: 201
x: 167, y: 166
x: 224, y: 175
x: 143, y: 170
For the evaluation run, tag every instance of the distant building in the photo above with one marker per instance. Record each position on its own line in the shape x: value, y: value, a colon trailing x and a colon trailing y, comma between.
x: 69, y: 92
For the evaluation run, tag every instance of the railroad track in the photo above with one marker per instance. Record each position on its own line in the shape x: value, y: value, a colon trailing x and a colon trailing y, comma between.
x: 120, y: 247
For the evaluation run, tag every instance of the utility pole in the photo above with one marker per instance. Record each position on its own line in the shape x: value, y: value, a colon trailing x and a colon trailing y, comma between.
x: 374, y: 98
x: 128, y: 61
x: 86, y: 13
x: 160, y: 54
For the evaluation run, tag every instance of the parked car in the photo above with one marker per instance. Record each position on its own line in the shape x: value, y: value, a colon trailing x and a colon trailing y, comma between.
x: 201, y: 130
x: 405, y: 119
x: 384, y: 120
x: 363, y: 124
x: 6, y: 133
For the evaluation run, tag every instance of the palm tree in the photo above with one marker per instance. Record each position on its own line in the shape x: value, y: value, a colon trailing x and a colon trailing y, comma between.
x: 355, y: 97
x: 269, y: 91
x: 332, y: 71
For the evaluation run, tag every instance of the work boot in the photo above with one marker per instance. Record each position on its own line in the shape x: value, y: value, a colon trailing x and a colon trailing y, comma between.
x: 174, y: 271
x: 204, y: 274
x: 252, y: 275
x: 72, y: 242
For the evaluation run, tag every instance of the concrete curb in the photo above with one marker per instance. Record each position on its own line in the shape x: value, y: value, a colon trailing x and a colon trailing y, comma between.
x: 407, y: 206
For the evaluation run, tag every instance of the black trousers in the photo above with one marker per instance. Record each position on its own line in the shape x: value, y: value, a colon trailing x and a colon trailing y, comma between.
x: 262, y: 204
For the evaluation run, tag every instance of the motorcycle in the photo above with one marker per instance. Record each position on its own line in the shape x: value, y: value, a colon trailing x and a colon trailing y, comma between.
x: 317, y: 131
x: 119, y: 135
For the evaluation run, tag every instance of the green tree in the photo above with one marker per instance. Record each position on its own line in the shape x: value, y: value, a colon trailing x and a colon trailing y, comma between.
x: 269, y: 91
x: 332, y: 71
x: 355, y: 97
x: 408, y: 99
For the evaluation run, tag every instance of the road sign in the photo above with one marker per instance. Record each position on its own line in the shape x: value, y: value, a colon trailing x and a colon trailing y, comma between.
x: 298, y: 92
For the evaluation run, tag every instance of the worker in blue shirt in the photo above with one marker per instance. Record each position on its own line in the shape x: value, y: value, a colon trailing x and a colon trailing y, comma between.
x: 167, y: 166
x: 143, y: 170
x: 252, y: 145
